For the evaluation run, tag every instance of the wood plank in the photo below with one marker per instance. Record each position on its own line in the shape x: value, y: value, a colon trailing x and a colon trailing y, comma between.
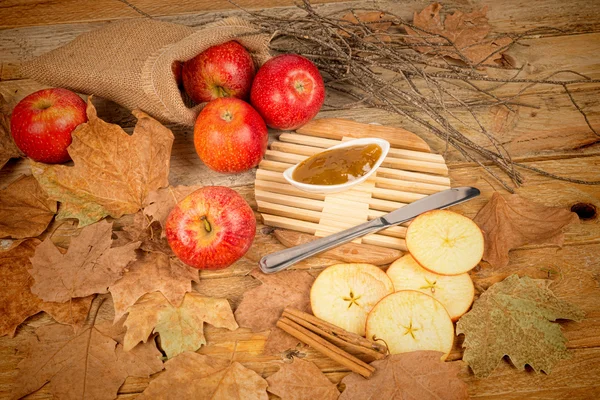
x: 35, y: 12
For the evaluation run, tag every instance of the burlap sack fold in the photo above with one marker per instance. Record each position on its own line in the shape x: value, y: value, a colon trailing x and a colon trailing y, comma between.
x: 129, y: 62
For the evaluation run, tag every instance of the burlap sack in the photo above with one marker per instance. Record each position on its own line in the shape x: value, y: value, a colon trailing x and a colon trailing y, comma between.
x: 129, y: 62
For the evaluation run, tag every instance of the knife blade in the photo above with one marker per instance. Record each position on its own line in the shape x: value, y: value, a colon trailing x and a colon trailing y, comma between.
x: 283, y: 259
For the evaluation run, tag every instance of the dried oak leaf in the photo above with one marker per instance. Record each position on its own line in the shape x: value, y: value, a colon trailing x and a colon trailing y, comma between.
x: 161, y: 202
x: 262, y: 306
x: 89, y: 266
x: 301, y: 380
x: 195, y: 376
x: 88, y: 365
x: 25, y: 209
x: 113, y: 173
x: 467, y: 32
x: 8, y: 148
x: 180, y: 328
x: 17, y: 303
x: 415, y: 375
x: 153, y: 272
x: 510, y: 222
x: 515, y: 318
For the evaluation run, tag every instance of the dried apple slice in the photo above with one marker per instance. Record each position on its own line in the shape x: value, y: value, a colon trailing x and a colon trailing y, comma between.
x: 409, y: 321
x: 445, y: 242
x: 343, y: 294
x: 455, y: 292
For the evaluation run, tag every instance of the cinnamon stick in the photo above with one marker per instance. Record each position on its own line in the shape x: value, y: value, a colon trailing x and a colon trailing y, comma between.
x: 345, y: 339
x: 336, y: 335
x: 324, y: 347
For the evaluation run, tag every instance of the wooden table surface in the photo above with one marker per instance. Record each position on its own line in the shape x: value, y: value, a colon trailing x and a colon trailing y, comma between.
x: 552, y: 136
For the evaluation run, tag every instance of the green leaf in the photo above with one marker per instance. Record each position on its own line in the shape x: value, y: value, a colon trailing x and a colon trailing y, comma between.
x: 515, y: 318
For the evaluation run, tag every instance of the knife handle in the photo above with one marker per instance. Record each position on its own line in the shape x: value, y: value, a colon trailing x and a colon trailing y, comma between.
x: 282, y: 259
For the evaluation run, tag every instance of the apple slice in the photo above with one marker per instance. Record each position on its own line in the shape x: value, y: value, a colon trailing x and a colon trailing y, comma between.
x: 455, y: 292
x: 445, y: 242
x: 343, y: 294
x: 409, y: 321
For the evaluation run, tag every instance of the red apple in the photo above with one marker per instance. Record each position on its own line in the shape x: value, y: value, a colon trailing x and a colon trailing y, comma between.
x: 288, y: 91
x: 41, y: 124
x: 211, y: 228
x: 230, y: 136
x: 225, y: 70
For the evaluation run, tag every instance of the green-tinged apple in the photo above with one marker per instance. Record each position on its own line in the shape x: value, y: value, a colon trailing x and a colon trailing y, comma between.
x: 343, y: 294
x: 409, y: 321
x: 445, y: 242
x: 225, y: 70
x: 288, y: 91
x: 230, y: 136
x: 211, y: 228
x: 455, y: 292
x: 41, y: 124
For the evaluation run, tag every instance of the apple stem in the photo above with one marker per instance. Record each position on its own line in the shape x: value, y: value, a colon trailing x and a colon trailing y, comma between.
x: 207, y: 226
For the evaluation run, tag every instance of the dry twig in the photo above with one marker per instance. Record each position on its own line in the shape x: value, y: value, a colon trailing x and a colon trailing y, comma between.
x: 391, y: 75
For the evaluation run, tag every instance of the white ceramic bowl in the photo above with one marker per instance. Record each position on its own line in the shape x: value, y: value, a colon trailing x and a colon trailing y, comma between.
x: 385, y: 147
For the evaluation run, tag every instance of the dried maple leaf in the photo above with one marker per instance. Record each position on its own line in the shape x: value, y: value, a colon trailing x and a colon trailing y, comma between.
x: 8, y: 148
x: 89, y: 365
x: 301, y: 380
x: 161, y: 201
x: 195, y: 376
x: 466, y: 32
x: 113, y: 173
x: 25, y: 209
x: 180, y: 328
x: 140, y: 230
x: 262, y: 306
x: 416, y: 375
x: 514, y: 221
x: 513, y: 318
x: 153, y: 272
x: 17, y: 303
x: 89, y: 266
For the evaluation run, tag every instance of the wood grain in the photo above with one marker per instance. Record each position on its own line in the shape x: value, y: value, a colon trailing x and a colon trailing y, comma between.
x: 548, y: 133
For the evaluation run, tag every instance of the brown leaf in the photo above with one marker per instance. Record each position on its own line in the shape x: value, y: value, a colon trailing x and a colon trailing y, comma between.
x: 301, y: 380
x: 89, y: 266
x: 467, y: 32
x: 17, y: 303
x: 8, y: 148
x: 73, y: 312
x: 25, y: 209
x: 113, y: 172
x: 139, y: 230
x: 510, y: 222
x: 180, y: 328
x: 416, y: 375
x: 196, y: 376
x: 347, y: 252
x: 262, y: 306
x: 153, y: 272
x: 89, y: 365
x: 161, y: 202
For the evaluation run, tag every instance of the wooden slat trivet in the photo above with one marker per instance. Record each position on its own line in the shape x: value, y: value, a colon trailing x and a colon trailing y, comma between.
x: 409, y: 173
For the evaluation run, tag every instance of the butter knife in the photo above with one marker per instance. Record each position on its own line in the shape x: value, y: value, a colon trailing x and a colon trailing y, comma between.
x: 283, y: 259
